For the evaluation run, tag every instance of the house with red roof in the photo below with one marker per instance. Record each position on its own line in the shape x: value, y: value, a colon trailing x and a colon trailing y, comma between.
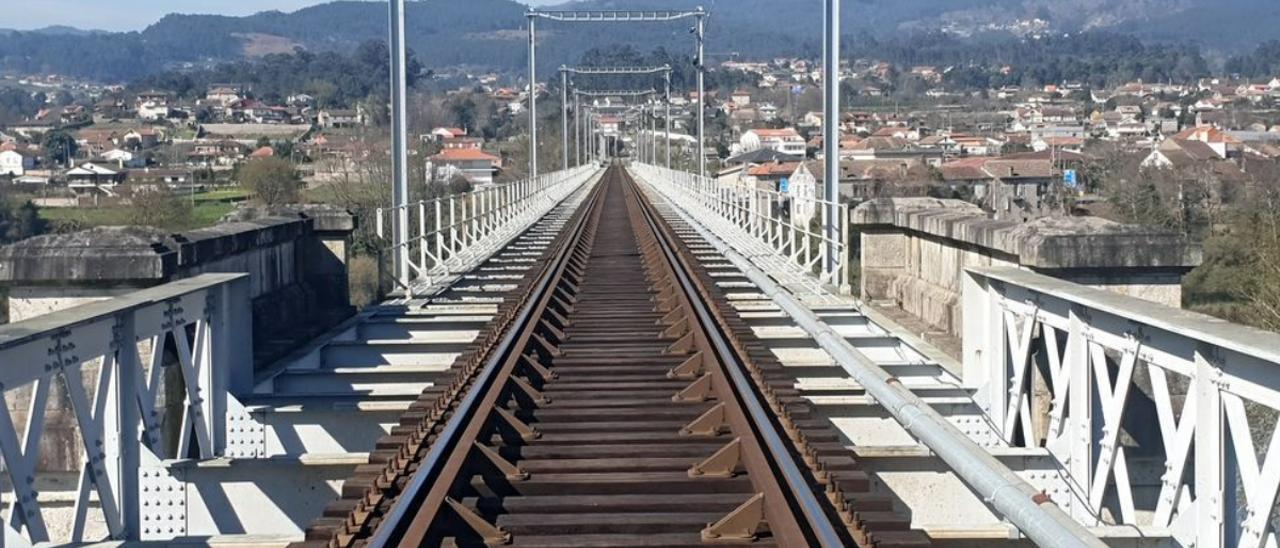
x: 476, y: 165
x: 440, y: 134
x: 769, y: 175
x: 1198, y: 146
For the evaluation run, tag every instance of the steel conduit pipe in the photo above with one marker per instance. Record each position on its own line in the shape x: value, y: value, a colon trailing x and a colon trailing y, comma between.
x: 1012, y: 497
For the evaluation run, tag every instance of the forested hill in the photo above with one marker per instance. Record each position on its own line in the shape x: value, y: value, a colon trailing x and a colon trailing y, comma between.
x: 445, y: 32
x: 490, y: 32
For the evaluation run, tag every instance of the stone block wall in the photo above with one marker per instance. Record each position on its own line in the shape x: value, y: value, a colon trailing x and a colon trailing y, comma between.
x: 915, y: 252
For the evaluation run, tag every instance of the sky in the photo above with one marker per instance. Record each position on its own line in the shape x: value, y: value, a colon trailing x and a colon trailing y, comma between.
x: 124, y: 15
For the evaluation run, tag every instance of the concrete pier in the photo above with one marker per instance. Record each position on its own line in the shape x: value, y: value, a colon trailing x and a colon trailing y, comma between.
x: 915, y: 251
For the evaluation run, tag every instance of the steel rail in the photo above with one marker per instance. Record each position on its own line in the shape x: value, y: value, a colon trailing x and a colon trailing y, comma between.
x: 421, y: 485
x: 795, y: 514
x: 1037, y: 517
x: 813, y: 510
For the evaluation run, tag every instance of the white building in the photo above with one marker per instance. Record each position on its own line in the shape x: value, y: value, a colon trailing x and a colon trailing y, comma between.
x: 476, y: 165
x: 785, y: 141
x: 337, y: 118
x: 224, y: 95
x: 93, y: 177
x: 803, y: 188
x: 441, y: 133
x: 153, y: 110
x: 16, y: 163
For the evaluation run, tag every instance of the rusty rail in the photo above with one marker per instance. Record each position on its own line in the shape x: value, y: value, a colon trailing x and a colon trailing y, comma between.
x: 618, y: 401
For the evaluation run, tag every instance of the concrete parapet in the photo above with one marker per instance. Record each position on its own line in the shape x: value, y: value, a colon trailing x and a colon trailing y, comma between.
x: 914, y: 253
x: 295, y: 256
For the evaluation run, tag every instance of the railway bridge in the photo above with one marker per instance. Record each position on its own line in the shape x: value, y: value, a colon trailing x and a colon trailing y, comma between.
x: 624, y: 355
x: 619, y: 352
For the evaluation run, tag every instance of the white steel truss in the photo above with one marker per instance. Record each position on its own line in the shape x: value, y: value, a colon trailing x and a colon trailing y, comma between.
x: 1105, y: 361
x: 117, y: 348
x: 615, y: 93
x: 616, y: 71
x: 618, y: 16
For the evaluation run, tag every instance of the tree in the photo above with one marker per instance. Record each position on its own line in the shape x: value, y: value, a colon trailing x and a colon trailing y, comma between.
x: 59, y: 147
x: 26, y: 222
x: 20, y: 220
x: 160, y: 208
x: 459, y: 184
x: 360, y: 187
x: 283, y: 149
x: 273, y: 181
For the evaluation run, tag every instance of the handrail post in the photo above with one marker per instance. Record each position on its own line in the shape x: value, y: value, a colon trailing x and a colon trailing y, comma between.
x: 439, y: 230
x: 422, y: 236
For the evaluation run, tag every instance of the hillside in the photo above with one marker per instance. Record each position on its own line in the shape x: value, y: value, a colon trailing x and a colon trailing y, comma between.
x: 488, y: 32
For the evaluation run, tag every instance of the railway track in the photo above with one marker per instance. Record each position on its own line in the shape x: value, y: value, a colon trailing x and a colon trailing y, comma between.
x: 617, y: 400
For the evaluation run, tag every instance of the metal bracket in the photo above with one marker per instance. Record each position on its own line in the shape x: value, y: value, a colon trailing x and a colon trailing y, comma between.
x: 492, y: 534
x: 699, y: 391
x: 511, y: 471
x: 246, y: 434
x: 741, y: 524
x: 535, y: 396
x: 722, y: 464
x: 682, y: 346
x: 163, y: 503
x: 526, y: 432
x: 712, y: 423
x: 690, y: 369
x: 532, y: 363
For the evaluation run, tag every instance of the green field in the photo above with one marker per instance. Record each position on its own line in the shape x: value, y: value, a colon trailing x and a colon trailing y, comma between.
x: 223, y: 195
x: 207, y: 208
x: 202, y: 215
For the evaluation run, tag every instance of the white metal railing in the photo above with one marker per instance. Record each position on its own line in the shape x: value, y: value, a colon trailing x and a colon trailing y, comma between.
x: 790, y: 225
x: 447, y: 235
x: 107, y: 358
x: 1116, y: 387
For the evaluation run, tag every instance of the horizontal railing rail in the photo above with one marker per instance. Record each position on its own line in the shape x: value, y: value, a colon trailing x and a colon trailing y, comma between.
x: 446, y: 235
x: 105, y: 365
x: 1115, y: 386
x: 790, y: 224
